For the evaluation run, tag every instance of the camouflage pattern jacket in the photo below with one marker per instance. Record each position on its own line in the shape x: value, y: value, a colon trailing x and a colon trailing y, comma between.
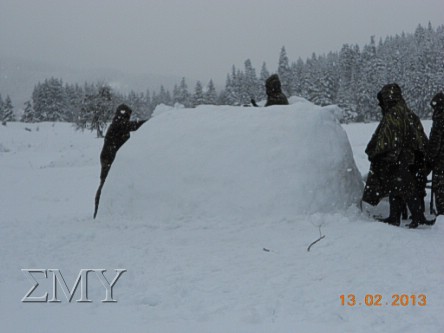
x: 118, y: 133
x: 275, y: 96
x: 398, y: 142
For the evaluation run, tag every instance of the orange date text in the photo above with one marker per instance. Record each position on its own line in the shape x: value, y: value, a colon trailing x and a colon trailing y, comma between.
x: 401, y: 300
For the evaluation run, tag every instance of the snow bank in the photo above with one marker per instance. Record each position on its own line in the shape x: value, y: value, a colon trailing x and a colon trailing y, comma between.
x: 222, y: 162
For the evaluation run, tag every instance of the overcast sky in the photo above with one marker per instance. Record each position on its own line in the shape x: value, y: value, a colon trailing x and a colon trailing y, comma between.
x: 198, y: 39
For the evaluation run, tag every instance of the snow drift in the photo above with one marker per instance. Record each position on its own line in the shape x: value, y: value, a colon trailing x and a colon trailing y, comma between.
x: 222, y: 162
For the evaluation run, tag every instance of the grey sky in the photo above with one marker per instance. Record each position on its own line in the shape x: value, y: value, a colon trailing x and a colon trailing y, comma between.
x: 198, y: 39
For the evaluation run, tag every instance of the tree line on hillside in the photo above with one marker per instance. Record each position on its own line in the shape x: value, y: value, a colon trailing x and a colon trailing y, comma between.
x: 349, y: 78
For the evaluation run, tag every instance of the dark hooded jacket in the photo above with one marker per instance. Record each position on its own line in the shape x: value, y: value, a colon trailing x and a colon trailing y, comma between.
x: 118, y: 133
x: 435, y: 148
x: 275, y: 96
x: 396, y: 149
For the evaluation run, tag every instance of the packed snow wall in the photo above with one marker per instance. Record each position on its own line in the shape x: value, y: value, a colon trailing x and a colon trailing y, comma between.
x: 223, y: 162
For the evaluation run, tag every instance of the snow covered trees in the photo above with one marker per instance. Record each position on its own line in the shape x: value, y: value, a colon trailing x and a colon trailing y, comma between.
x: 242, y: 86
x: 349, y: 78
x: 198, y: 96
x: 6, y: 110
x: 284, y: 72
x: 28, y: 114
x: 181, y: 94
x: 49, y: 100
x: 204, y: 96
x: 97, y: 110
x: 210, y: 95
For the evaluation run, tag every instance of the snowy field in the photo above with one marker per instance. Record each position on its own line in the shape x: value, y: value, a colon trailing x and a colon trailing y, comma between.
x: 211, y: 212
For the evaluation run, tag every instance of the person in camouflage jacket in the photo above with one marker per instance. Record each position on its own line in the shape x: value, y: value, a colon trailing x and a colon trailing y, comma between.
x: 116, y: 135
x: 395, y: 151
x: 275, y: 96
x: 435, y: 151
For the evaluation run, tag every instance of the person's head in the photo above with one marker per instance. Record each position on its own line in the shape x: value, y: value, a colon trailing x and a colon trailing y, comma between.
x: 123, y: 112
x: 437, y: 102
x: 389, y: 95
x: 273, y: 85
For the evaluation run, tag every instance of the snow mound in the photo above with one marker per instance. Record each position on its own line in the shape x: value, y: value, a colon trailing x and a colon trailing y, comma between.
x: 297, y: 99
x: 223, y: 162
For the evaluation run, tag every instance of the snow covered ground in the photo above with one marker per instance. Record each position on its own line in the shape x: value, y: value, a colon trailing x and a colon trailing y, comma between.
x: 205, y: 248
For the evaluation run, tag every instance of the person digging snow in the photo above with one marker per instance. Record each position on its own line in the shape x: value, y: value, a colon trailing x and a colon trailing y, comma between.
x: 117, y: 134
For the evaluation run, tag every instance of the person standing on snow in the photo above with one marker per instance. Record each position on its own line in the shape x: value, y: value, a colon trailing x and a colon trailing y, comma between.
x: 117, y: 134
x: 393, y: 151
x: 435, y: 151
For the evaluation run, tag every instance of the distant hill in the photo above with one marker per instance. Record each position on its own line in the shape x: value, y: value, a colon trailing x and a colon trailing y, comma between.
x: 19, y: 76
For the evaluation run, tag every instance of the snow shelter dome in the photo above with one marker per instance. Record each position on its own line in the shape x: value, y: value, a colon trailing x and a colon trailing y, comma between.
x: 224, y: 162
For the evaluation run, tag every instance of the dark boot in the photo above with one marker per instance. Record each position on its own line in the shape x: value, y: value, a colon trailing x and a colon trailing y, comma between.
x: 396, y: 206
x: 417, y: 214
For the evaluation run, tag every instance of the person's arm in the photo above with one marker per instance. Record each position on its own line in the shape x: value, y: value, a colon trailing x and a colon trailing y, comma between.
x: 385, y: 145
x: 134, y: 125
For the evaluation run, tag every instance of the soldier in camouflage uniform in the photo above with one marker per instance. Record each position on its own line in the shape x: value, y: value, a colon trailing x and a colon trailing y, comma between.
x: 275, y: 96
x: 394, y: 151
x: 118, y: 133
x: 435, y: 151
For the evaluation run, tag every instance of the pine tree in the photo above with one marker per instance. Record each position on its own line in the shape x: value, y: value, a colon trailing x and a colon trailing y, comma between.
x: 28, y: 114
x: 348, y: 63
x: 264, y: 75
x: 415, y: 75
x: 327, y: 80
x: 49, y: 100
x: 164, y: 96
x: 284, y: 72
x: 393, y: 51
x: 210, y: 95
x: 1, y: 107
x: 251, y: 83
x: 424, y: 67
x: 222, y: 97
x: 38, y: 103
x: 8, y: 111
x: 370, y: 83
x: 232, y: 87
x: 148, y: 105
x: 97, y: 110
x: 311, y: 86
x: 182, y: 96
x: 198, y: 96
x: 228, y: 92
x: 136, y: 102
x: 74, y: 98
x: 176, y: 94
x: 297, y: 73
x: 155, y: 101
